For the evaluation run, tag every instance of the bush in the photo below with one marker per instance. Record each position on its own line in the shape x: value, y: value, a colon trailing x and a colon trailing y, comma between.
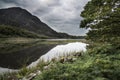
x: 105, y: 49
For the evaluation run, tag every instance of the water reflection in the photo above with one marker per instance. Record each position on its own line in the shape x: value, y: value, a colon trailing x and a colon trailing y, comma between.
x: 55, y: 52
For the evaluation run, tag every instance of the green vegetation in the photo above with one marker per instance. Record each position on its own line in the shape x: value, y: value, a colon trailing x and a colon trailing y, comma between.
x: 9, y: 31
x: 101, y: 63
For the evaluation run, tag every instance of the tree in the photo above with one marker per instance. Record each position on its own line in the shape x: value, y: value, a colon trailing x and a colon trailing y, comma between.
x: 103, y: 19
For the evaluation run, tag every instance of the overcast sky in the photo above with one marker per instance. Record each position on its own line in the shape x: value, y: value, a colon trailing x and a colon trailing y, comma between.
x: 61, y: 15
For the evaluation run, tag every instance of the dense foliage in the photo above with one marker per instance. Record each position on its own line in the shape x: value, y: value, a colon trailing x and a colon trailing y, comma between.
x: 9, y: 31
x: 103, y: 19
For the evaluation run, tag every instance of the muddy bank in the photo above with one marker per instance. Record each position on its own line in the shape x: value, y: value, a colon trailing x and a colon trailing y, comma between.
x: 24, y: 57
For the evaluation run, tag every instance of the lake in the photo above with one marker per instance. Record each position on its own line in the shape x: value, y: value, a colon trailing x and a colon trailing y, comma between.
x: 29, y: 55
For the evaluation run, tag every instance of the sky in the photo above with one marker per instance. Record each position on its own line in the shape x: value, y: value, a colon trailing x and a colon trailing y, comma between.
x: 60, y: 15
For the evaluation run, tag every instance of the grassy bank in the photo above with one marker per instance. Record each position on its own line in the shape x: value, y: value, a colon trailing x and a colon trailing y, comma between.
x: 100, y: 63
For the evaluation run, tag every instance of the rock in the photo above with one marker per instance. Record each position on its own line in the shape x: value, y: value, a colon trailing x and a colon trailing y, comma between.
x: 46, y: 67
x: 62, y: 60
x: 69, y: 59
x: 32, y: 75
x: 74, y: 59
x: 78, y: 54
x: 38, y: 72
x: 54, y: 59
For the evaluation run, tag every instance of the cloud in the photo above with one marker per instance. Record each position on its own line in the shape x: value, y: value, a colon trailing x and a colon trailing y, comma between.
x: 61, y: 15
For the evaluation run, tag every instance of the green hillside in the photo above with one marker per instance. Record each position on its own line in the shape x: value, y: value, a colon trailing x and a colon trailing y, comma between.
x: 9, y: 31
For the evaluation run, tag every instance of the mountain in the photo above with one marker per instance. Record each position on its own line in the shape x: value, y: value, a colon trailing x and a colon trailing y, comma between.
x: 19, y: 18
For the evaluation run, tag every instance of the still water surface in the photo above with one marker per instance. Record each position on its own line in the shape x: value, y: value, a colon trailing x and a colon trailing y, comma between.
x: 48, y: 52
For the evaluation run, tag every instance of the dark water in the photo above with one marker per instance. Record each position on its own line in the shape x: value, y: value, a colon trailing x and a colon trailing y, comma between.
x: 24, y: 57
x: 18, y: 56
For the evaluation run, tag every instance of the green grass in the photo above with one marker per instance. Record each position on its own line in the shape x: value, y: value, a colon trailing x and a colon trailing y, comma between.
x: 94, y: 65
